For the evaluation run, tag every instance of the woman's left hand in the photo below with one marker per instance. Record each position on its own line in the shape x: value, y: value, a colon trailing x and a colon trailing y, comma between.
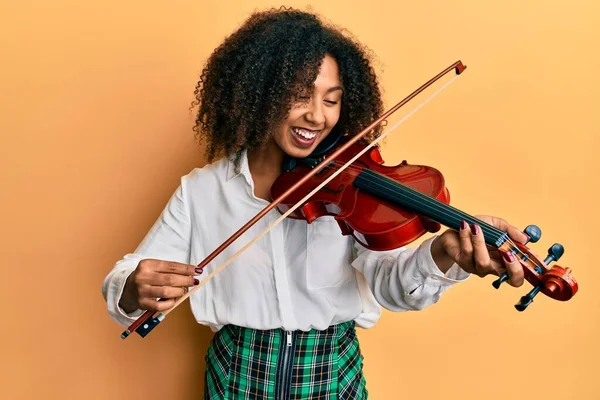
x: 468, y: 249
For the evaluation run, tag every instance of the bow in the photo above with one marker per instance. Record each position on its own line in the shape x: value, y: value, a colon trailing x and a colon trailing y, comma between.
x: 149, y: 320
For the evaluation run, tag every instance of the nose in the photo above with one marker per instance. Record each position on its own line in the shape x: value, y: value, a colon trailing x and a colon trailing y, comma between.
x: 314, y: 113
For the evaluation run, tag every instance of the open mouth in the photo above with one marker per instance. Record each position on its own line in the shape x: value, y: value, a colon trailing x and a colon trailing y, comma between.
x: 304, y: 137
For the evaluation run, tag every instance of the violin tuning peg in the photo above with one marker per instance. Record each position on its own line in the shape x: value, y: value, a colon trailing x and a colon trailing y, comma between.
x: 533, y: 232
x: 503, y: 278
x: 554, y: 253
x: 527, y: 299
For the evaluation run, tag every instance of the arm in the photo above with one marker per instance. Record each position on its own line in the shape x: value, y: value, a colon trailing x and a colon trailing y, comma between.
x: 168, y: 239
x: 412, y: 279
x: 407, y: 278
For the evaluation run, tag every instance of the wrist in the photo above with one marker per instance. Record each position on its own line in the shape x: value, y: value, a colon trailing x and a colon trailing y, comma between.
x: 127, y: 302
x: 440, y: 255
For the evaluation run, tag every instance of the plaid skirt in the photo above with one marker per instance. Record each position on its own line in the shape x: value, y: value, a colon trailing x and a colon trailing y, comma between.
x: 244, y: 364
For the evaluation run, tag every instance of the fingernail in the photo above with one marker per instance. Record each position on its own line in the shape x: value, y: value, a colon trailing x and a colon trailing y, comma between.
x: 463, y: 225
x: 508, y: 256
x: 475, y: 229
x: 199, y: 270
x: 196, y: 281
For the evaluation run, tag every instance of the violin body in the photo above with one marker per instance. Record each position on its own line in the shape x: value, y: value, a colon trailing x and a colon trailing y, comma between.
x: 375, y: 223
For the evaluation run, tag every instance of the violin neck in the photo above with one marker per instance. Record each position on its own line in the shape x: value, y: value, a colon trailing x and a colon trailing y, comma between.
x: 406, y: 197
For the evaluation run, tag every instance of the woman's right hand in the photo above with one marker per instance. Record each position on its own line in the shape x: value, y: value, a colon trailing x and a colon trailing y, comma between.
x: 154, y: 279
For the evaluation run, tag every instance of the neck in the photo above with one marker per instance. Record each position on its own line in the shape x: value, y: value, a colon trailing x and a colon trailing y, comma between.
x: 265, y: 166
x: 265, y: 161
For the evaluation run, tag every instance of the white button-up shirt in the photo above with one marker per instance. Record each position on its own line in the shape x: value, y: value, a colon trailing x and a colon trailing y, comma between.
x: 297, y: 276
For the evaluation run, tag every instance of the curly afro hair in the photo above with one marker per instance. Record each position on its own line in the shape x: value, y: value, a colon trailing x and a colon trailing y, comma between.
x: 251, y: 81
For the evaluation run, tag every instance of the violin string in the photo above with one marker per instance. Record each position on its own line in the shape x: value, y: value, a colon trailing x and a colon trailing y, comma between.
x: 458, y: 214
x: 304, y: 200
x: 440, y: 207
x: 432, y: 202
x: 437, y: 205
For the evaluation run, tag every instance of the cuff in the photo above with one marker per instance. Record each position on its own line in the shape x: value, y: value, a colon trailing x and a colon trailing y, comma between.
x: 429, y: 268
x: 114, y: 293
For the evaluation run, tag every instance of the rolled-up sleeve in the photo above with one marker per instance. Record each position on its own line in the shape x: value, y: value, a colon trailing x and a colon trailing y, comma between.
x: 168, y: 239
x: 406, y: 278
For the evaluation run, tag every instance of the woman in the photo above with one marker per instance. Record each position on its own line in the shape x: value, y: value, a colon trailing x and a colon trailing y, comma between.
x: 285, y: 311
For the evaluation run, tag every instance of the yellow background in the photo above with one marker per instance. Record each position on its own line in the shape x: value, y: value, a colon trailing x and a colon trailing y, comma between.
x: 95, y: 132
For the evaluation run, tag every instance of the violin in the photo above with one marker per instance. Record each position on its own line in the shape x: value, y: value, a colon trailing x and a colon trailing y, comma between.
x: 382, y: 207
x: 386, y: 207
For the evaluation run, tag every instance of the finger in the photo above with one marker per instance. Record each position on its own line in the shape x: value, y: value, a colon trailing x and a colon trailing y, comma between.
x: 173, y: 267
x: 163, y: 292
x: 495, y: 255
x: 466, y: 245
x: 185, y: 290
x: 155, y: 305
x: 516, y: 275
x: 499, y: 267
x: 513, y: 232
x: 163, y: 279
x: 481, y: 256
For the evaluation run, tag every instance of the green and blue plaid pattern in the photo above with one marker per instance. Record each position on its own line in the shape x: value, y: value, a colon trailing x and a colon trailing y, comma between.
x: 249, y: 364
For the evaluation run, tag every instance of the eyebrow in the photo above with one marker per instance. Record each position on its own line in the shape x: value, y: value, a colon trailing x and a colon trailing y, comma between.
x: 335, y: 88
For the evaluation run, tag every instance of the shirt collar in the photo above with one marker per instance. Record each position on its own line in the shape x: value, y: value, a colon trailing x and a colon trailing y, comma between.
x: 244, y: 169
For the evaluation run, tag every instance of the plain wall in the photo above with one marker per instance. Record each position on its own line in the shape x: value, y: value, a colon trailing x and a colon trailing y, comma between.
x: 96, y: 131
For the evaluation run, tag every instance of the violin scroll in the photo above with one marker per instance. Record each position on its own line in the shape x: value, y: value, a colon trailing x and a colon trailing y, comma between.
x: 556, y: 282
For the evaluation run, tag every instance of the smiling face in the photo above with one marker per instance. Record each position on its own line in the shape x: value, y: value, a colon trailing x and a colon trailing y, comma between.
x: 309, y: 123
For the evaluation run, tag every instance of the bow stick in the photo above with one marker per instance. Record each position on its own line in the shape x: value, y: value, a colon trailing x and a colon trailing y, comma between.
x: 150, y: 319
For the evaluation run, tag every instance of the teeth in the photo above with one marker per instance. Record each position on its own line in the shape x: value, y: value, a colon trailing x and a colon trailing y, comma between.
x: 304, y: 133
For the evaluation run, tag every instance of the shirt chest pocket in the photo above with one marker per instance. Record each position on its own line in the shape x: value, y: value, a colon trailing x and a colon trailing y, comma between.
x: 329, y: 255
